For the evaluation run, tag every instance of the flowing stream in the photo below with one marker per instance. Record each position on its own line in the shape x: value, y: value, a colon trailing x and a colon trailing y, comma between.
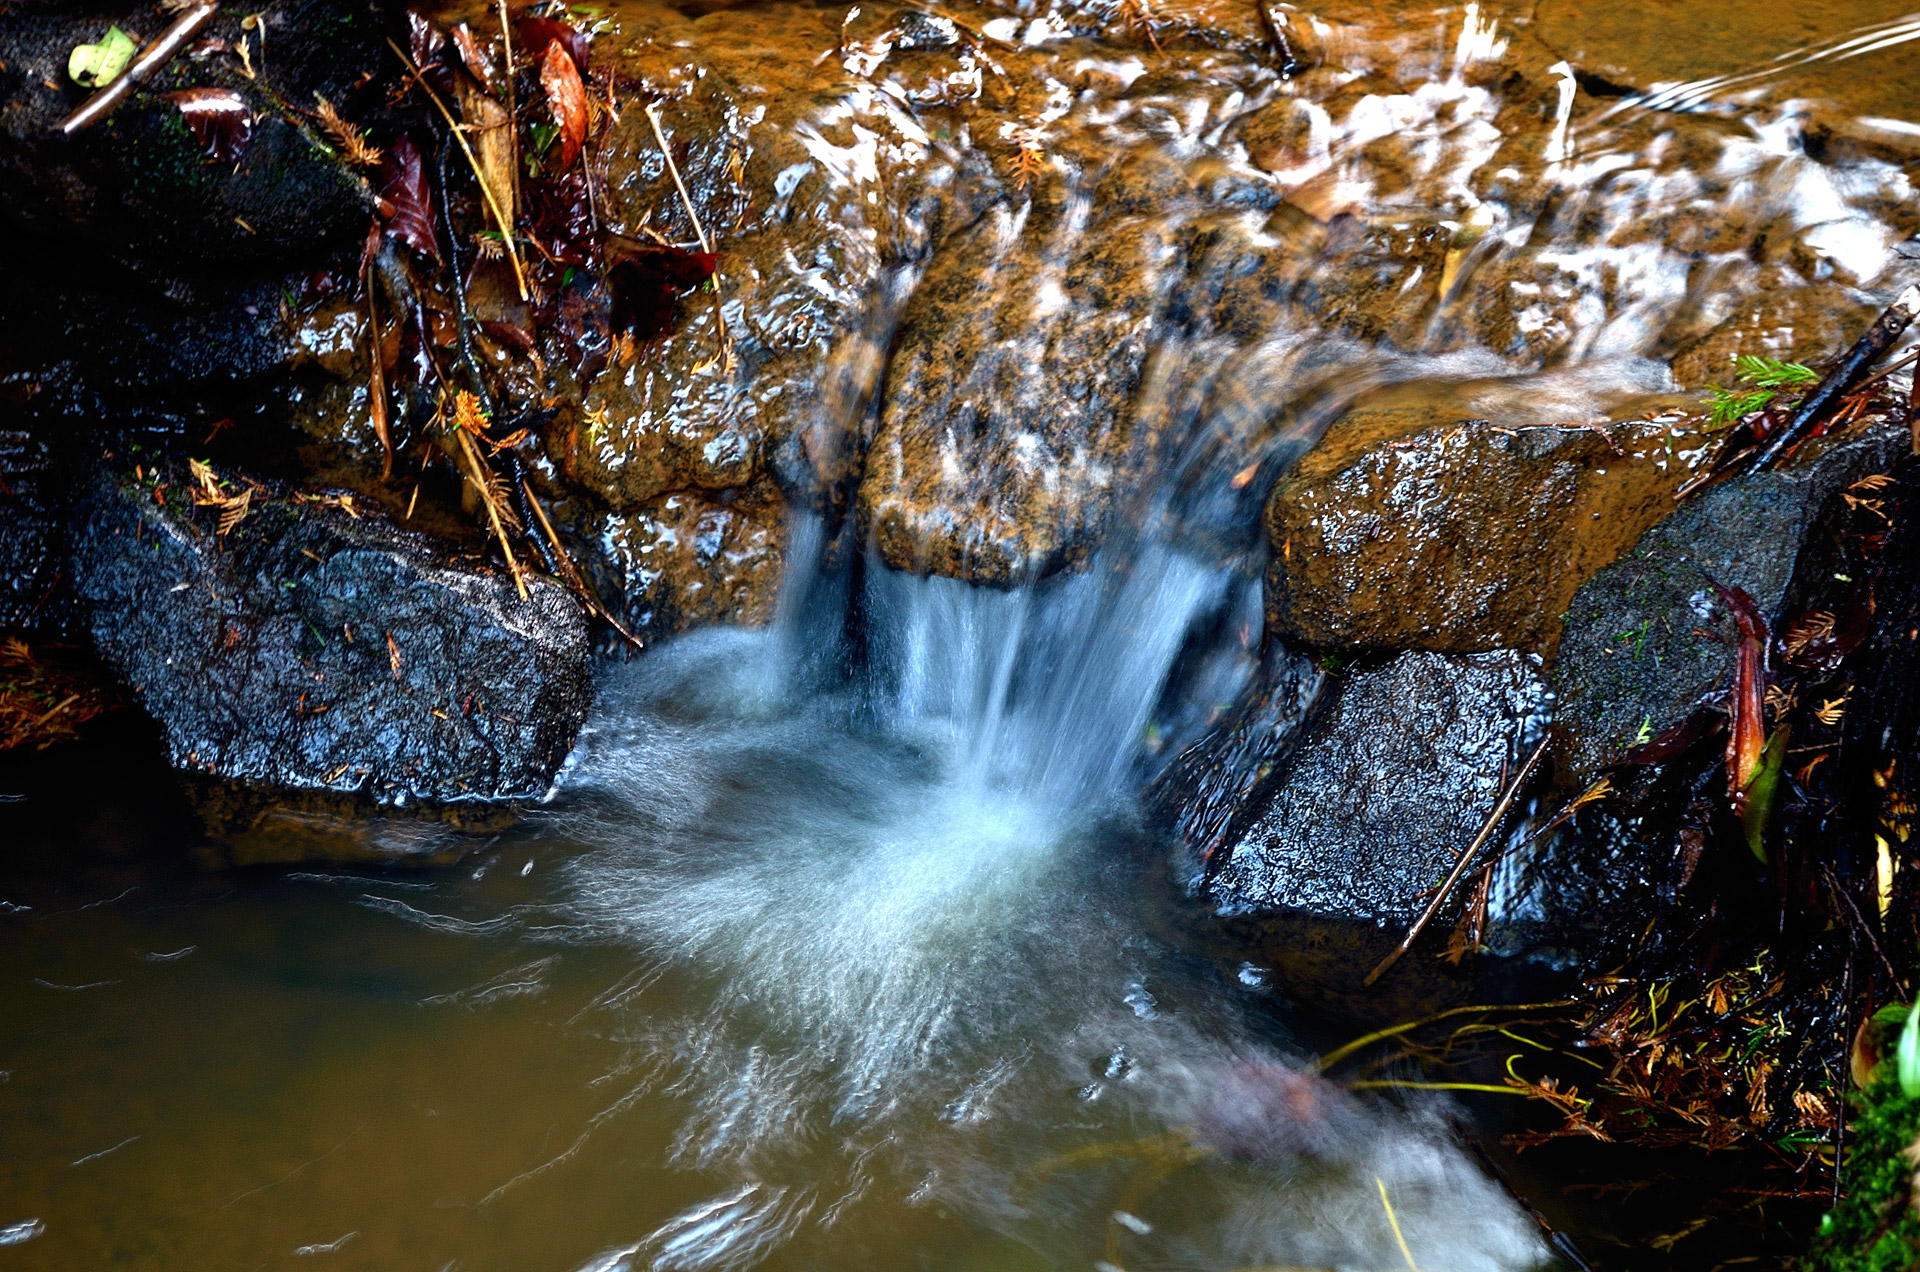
x: 840, y: 945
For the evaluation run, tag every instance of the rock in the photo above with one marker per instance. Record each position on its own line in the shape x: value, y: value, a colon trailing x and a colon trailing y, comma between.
x: 1394, y: 775
x: 692, y: 560
x: 1647, y: 638
x: 145, y: 273
x: 1210, y: 792
x: 310, y: 664
x: 33, y: 536
x: 1408, y: 527
x: 1801, y: 324
x: 1007, y: 421
x: 139, y: 186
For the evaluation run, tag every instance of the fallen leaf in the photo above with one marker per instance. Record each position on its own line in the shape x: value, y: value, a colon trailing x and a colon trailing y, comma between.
x: 404, y: 199
x: 220, y: 119
x: 567, y: 99
x: 1758, y: 797
x: 560, y: 216
x: 491, y: 133
x: 96, y: 65
x: 425, y: 44
x: 475, y: 58
x: 583, y: 319
x: 536, y: 35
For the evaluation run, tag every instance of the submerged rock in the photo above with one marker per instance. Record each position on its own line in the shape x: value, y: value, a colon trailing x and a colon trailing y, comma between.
x: 1648, y: 638
x: 312, y: 663
x: 1805, y: 324
x: 1408, y: 527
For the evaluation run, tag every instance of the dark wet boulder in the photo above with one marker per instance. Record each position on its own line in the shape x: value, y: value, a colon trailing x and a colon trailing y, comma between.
x: 1647, y: 639
x: 311, y: 663
x: 151, y: 264
x: 33, y: 535
x: 1394, y: 774
x: 141, y: 185
x: 1411, y: 526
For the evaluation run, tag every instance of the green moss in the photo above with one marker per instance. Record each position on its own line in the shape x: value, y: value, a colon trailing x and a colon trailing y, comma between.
x: 1874, y: 1228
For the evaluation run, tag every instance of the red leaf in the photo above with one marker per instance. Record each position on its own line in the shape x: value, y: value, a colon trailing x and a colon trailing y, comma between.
x: 537, y: 34
x: 567, y: 98
x: 404, y: 198
x: 427, y: 44
x: 1747, y: 731
x: 647, y: 284
x: 220, y: 120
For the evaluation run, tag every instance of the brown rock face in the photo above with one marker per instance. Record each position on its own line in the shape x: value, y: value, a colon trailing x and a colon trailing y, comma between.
x: 691, y: 559
x: 1410, y: 528
x: 1008, y: 418
x: 1804, y: 324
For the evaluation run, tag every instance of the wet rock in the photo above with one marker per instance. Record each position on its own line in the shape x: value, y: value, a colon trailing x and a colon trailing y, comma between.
x: 1646, y: 638
x: 34, y: 597
x: 1209, y: 793
x: 1801, y: 324
x: 1394, y: 775
x: 693, y: 560
x: 1007, y: 424
x: 311, y: 665
x: 1409, y: 527
x: 140, y: 185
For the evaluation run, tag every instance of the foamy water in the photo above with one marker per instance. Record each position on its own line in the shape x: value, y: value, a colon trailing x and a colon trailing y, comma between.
x: 903, y: 919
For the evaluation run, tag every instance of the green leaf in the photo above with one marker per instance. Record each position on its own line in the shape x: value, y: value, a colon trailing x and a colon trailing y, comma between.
x: 1730, y: 406
x: 95, y: 65
x: 1907, y: 1055
x: 1763, y: 792
x: 1771, y: 373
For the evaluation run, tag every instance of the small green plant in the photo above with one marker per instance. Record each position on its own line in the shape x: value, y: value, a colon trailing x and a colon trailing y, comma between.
x: 1759, y: 382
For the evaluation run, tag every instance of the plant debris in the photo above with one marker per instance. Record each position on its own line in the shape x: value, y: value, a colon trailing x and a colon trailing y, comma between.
x: 220, y: 119
x: 97, y: 65
x: 46, y: 695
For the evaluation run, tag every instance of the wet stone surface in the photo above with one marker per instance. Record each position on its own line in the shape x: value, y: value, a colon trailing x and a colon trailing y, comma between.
x: 336, y: 660
x: 1408, y: 527
x: 34, y: 489
x: 1648, y: 638
x: 1395, y: 774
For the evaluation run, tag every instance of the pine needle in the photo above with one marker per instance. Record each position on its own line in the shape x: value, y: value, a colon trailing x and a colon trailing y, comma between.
x: 1394, y: 1222
x: 352, y: 142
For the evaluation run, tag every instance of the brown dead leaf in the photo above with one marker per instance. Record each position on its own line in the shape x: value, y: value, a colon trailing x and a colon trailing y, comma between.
x: 491, y: 131
x: 567, y: 99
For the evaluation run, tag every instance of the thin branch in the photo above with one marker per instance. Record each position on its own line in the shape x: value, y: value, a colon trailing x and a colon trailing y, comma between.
x: 1492, y: 823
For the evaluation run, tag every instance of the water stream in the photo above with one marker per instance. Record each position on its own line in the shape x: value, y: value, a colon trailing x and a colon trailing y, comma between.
x: 839, y: 945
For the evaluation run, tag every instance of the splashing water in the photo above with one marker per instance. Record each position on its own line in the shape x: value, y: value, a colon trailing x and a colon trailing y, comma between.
x: 896, y: 945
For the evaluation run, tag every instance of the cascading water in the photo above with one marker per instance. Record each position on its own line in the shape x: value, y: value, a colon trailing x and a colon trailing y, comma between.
x: 915, y: 912
x: 904, y: 871
x: 838, y: 947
